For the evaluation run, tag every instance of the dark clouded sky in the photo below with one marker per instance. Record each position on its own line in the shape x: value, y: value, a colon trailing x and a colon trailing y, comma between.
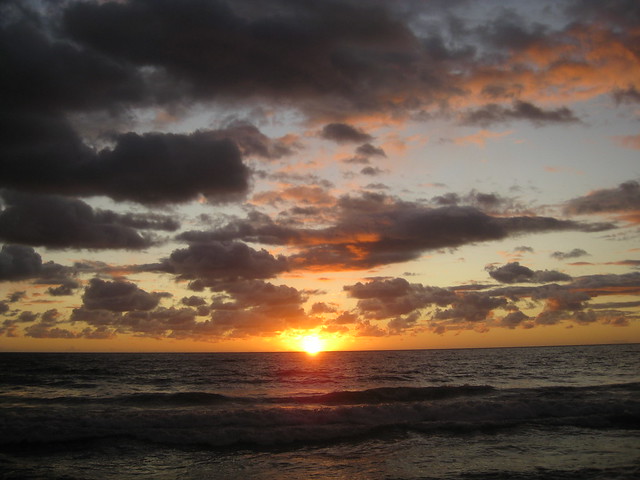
x: 239, y: 175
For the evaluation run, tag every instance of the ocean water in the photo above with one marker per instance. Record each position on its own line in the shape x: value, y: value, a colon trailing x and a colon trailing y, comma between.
x: 511, y: 413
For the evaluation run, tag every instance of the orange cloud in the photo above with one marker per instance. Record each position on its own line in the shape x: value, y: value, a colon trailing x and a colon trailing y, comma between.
x: 628, y: 141
x: 480, y: 138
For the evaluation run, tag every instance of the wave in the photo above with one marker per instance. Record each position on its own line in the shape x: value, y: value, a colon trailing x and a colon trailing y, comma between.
x: 393, y: 394
x: 196, y: 399
x: 220, y: 421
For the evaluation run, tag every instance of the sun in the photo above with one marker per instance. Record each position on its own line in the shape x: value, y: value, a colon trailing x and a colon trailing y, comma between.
x: 312, y: 344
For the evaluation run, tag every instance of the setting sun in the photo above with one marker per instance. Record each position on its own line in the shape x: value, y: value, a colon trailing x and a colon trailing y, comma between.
x: 311, y: 344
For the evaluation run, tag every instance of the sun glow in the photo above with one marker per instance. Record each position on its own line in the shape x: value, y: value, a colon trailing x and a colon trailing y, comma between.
x: 312, y: 344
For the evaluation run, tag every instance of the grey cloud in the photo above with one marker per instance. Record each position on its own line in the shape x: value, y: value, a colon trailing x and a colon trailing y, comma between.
x: 117, y: 296
x: 193, y: 301
x: 240, y: 308
x: 386, y: 298
x: 371, y: 171
x: 318, y: 308
x: 624, y: 198
x: 344, y: 133
x: 494, y: 113
x: 251, y: 141
x: 368, y: 150
x: 67, y: 288
x: 575, y: 253
x: 16, y: 296
x: 629, y: 95
x: 375, y: 229
x: 217, y: 260
x: 295, y: 50
x: 42, y: 153
x: 515, y: 273
x: 59, y: 222
x: 18, y: 262
x: 471, y: 307
x: 513, y: 319
x: 157, y: 168
x: 409, y: 305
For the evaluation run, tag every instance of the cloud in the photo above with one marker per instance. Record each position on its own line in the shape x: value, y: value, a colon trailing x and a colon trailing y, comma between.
x: 18, y: 262
x: 480, y: 138
x: 252, y: 142
x: 343, y: 133
x: 368, y: 150
x: 494, y: 113
x: 117, y: 296
x: 60, y: 222
x: 387, y: 298
x: 240, y: 308
x: 217, y: 260
x: 575, y: 253
x: 516, y: 273
x: 374, y: 229
x: 42, y: 153
x: 371, y: 171
x: 296, y: 51
x: 413, y: 306
x: 67, y: 288
x: 623, y: 199
x: 628, y: 141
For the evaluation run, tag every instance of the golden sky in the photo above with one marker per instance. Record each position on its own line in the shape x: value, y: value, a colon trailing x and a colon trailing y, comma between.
x: 222, y: 176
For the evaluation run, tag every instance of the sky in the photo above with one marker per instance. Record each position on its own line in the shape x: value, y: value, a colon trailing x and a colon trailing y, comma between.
x: 203, y: 175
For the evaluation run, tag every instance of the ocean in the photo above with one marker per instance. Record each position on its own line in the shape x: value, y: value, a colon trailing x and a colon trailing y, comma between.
x: 506, y: 413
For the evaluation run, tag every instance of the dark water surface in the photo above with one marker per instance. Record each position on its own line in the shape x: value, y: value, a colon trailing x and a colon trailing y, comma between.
x: 512, y: 413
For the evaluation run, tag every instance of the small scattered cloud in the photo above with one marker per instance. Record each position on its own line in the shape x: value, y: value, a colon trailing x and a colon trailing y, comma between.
x: 344, y: 133
x: 575, y: 253
x: 494, y: 114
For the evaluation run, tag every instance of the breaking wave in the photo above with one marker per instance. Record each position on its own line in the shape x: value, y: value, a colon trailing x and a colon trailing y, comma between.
x: 214, y: 420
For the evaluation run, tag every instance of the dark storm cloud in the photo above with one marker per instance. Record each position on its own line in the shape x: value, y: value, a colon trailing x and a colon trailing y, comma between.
x: 117, y: 296
x: 624, y: 198
x: 45, y: 73
x: 217, y: 48
x: 157, y: 168
x: 494, y: 113
x: 216, y: 260
x: 575, y: 253
x: 47, y: 78
x: 343, y: 133
x: 43, y: 153
x: 60, y: 222
x: 516, y: 273
x: 18, y: 262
